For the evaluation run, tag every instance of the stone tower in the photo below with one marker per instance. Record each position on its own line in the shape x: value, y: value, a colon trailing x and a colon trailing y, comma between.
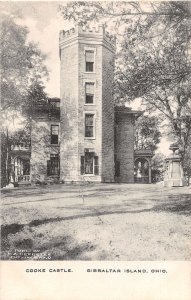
x: 87, y: 105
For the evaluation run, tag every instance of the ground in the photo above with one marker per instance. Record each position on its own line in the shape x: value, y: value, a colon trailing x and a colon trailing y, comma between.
x: 96, y: 222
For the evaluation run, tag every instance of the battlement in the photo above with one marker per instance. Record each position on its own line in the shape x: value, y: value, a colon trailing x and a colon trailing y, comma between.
x: 79, y: 30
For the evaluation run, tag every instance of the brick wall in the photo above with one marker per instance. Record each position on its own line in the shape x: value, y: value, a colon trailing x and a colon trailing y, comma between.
x: 124, y: 147
x: 107, y: 116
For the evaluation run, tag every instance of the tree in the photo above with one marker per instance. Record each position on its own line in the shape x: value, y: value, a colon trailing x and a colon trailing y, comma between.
x: 153, y: 58
x: 187, y: 161
x: 158, y: 167
x: 159, y: 72
x: 22, y: 74
x: 22, y: 63
x: 147, y: 134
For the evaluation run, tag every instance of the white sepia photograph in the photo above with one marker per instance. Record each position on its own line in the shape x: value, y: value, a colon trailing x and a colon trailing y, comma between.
x: 96, y: 131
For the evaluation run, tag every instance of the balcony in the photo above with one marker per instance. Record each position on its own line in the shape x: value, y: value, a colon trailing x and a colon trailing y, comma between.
x: 24, y: 178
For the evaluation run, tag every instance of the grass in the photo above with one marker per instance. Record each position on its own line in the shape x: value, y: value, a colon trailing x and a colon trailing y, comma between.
x: 96, y: 222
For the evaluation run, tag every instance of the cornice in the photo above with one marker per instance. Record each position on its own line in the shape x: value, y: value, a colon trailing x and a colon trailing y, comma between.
x: 87, y: 40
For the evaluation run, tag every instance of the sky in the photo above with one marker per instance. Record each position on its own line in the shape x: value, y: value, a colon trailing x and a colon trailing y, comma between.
x: 44, y: 23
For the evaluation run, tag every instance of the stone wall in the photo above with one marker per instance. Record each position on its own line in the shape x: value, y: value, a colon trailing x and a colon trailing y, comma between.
x: 69, y: 112
x: 95, y: 108
x: 73, y: 142
x: 41, y: 148
x: 73, y: 77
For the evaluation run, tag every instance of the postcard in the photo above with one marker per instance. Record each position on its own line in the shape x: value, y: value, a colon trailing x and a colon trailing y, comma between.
x: 95, y: 150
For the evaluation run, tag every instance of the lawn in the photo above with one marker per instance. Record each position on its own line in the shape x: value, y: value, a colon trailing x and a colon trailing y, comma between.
x: 96, y: 222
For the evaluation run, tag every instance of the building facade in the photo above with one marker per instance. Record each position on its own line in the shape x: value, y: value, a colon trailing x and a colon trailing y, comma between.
x: 45, y: 141
x: 87, y: 105
x: 83, y: 136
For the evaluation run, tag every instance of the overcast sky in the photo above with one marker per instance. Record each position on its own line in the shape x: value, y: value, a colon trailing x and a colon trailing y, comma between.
x: 44, y: 23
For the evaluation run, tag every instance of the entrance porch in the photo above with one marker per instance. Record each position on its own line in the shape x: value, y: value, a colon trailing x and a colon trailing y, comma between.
x: 142, y: 166
x: 20, y: 165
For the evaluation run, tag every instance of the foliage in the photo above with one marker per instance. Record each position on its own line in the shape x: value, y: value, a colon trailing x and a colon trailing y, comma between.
x: 187, y: 159
x: 153, y: 59
x: 116, y: 12
x: 159, y: 71
x: 122, y: 13
x: 35, y: 96
x: 21, y: 136
x: 3, y: 160
x: 22, y: 63
x: 147, y: 134
x: 22, y: 74
x: 158, y: 167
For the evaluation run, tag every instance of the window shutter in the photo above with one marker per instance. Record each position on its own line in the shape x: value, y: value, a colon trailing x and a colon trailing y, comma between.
x: 96, y: 165
x: 48, y: 167
x: 82, y: 165
x: 117, y: 168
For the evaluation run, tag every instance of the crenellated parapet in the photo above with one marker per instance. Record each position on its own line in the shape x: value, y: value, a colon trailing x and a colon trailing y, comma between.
x: 97, y: 33
x: 67, y: 33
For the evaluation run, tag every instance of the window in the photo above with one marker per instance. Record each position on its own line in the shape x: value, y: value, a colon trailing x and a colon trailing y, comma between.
x: 89, y: 93
x: 89, y: 164
x: 54, y: 109
x: 89, y: 57
x: 89, y: 125
x: 96, y: 165
x: 54, y: 134
x: 53, y: 165
x: 55, y: 104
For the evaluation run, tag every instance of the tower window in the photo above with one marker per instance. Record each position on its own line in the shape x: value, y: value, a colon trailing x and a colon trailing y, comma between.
x: 89, y: 125
x: 89, y: 164
x: 54, y: 134
x: 89, y: 93
x: 89, y: 57
x: 53, y: 165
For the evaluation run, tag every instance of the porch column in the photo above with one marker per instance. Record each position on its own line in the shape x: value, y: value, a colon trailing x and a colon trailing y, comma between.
x: 149, y: 172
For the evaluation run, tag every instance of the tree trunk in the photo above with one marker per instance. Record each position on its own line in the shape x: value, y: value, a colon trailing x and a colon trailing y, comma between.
x: 8, y: 159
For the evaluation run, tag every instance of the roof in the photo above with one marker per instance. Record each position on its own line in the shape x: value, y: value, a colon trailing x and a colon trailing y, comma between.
x: 127, y: 110
x: 144, y: 153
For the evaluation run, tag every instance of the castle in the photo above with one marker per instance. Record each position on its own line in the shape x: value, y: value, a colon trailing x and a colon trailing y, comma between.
x: 83, y: 135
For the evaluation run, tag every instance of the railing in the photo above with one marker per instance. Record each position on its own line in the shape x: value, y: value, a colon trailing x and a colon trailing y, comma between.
x: 24, y: 178
x: 143, y: 179
x: 19, y: 147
